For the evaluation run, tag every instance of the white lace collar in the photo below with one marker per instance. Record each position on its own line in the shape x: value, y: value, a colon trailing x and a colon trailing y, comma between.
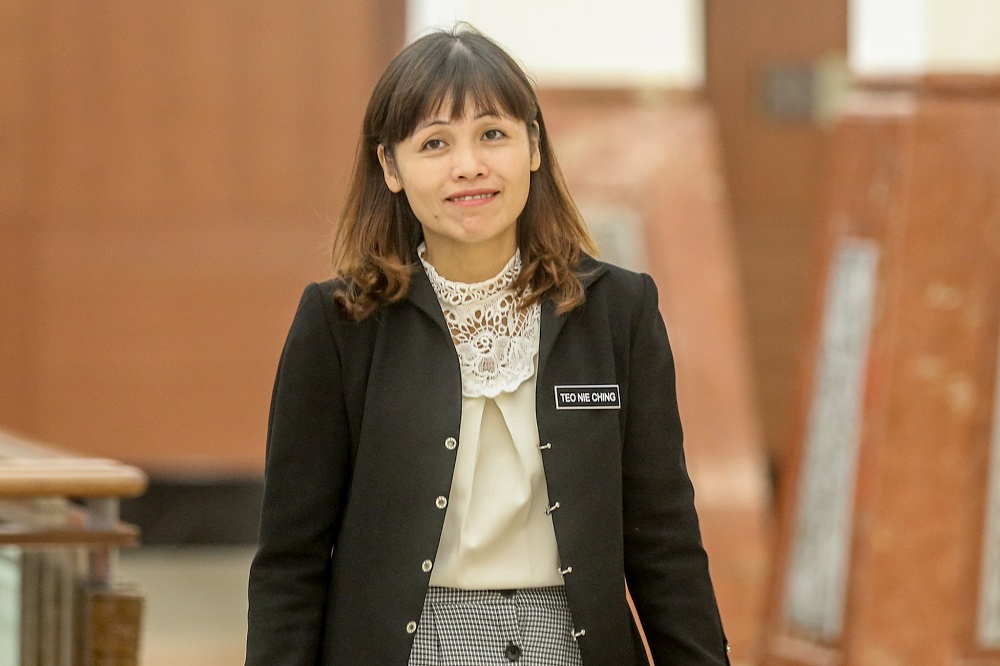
x: 496, y: 340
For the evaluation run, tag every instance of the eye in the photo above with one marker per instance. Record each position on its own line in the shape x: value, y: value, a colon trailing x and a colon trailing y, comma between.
x: 493, y: 134
x: 432, y: 144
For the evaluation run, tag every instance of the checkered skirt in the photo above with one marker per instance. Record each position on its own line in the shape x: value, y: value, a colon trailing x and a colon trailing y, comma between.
x: 529, y: 627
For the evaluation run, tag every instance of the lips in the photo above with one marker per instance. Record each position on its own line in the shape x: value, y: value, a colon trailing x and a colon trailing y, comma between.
x: 472, y: 196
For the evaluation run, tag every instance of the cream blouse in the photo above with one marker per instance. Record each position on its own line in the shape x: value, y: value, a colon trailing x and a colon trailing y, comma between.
x: 497, y: 530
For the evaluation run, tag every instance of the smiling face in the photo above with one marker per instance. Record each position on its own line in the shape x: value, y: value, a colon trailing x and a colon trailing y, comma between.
x: 466, y: 179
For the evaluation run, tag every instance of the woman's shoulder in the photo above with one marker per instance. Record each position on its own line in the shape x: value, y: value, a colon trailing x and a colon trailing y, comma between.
x: 327, y: 288
x: 320, y: 298
x: 628, y: 298
x: 626, y: 286
x: 321, y: 292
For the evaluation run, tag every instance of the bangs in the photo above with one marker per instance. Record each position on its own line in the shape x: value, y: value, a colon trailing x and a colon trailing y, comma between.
x: 447, y: 79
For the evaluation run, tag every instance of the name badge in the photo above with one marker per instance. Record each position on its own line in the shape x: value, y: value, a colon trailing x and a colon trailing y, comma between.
x: 588, y: 396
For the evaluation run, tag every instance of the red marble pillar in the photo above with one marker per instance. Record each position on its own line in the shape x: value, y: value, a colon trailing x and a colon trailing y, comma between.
x: 887, y: 551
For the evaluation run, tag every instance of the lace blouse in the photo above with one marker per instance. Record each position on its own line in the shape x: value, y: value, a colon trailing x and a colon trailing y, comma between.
x: 497, y: 533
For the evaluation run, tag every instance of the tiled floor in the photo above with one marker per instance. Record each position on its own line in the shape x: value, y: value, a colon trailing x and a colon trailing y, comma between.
x: 195, y: 603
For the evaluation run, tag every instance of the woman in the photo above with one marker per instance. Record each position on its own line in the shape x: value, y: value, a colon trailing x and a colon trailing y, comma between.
x: 474, y: 439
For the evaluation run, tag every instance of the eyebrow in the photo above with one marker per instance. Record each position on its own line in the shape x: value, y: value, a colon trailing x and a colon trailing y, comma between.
x: 447, y: 121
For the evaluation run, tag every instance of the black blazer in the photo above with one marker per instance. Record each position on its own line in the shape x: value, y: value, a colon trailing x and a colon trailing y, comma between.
x: 356, y: 458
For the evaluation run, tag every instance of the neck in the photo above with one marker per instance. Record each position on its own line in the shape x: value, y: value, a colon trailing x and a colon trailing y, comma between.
x: 468, y: 264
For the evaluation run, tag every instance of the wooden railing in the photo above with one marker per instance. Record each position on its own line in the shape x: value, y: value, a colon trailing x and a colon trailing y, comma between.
x: 60, y: 533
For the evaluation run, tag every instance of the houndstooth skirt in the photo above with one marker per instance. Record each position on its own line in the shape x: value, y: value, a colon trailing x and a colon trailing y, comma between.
x: 529, y: 627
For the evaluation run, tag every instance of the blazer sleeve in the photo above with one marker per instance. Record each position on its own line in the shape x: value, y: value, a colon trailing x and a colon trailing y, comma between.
x: 307, y: 469
x: 666, y: 567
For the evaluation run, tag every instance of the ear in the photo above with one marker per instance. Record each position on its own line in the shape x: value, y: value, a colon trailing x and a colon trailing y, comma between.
x: 534, y: 136
x: 389, y: 171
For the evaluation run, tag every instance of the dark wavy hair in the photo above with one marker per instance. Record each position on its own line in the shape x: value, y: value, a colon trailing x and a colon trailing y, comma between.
x: 375, y: 243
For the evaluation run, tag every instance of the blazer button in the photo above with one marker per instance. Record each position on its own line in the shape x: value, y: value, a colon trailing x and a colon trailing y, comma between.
x: 427, y: 566
x: 450, y: 443
x: 441, y: 502
x: 411, y: 627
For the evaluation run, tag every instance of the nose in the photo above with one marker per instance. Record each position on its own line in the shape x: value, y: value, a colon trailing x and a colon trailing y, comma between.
x: 469, y: 162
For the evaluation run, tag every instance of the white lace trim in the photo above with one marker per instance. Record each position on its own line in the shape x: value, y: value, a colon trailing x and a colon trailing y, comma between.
x: 496, y: 341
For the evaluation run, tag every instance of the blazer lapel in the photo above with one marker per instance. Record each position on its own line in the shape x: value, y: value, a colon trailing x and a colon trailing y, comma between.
x: 551, y: 322
x: 421, y: 294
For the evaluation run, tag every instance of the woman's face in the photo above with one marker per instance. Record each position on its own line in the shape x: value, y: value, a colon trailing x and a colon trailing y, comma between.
x: 466, y: 179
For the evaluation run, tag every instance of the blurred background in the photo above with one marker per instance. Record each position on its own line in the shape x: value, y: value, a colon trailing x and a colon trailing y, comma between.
x: 812, y: 183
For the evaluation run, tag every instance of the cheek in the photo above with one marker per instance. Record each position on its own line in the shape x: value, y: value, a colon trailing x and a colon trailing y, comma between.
x: 421, y: 194
x: 424, y: 196
x: 421, y: 180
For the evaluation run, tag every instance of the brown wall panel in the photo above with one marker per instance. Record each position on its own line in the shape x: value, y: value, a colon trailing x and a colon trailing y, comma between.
x: 185, y: 165
x: 16, y: 312
x: 20, y: 163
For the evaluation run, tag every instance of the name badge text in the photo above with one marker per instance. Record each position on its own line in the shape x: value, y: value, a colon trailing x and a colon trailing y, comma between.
x: 588, y: 396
